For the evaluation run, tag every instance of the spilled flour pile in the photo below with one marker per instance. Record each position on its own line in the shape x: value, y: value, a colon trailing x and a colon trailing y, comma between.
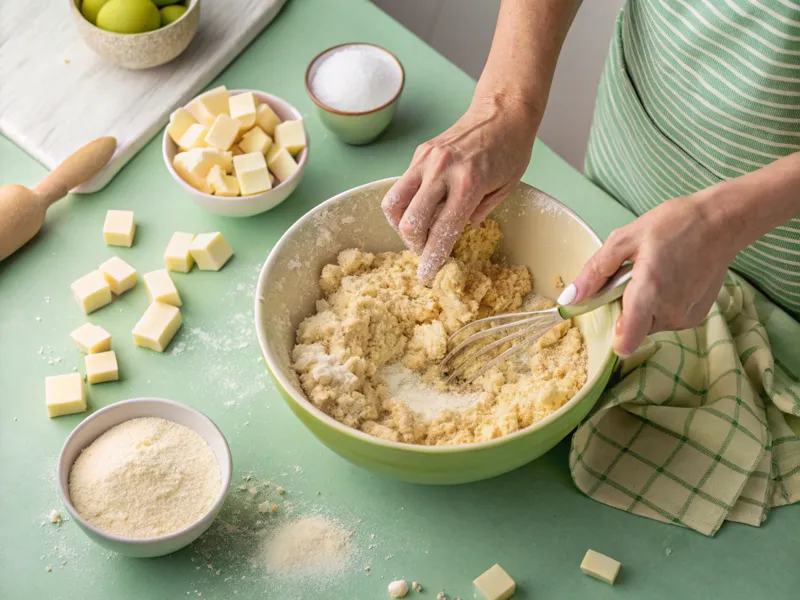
x: 369, y: 355
x: 312, y: 545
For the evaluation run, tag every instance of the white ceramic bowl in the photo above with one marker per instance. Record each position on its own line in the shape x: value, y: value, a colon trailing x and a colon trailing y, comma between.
x: 104, y: 419
x: 245, y: 206
x: 355, y: 128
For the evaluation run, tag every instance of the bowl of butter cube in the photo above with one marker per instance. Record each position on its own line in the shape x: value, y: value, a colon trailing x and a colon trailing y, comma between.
x: 237, y: 153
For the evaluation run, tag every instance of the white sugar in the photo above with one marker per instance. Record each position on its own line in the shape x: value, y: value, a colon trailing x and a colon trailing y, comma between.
x: 356, y: 79
x: 407, y: 387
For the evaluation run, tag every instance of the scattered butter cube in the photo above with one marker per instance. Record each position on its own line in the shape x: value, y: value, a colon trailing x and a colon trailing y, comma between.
x: 266, y: 118
x: 495, y: 584
x: 291, y: 135
x: 120, y: 275
x: 207, y: 106
x: 177, y: 256
x: 157, y: 327
x: 243, y: 109
x: 102, y: 367
x: 91, y: 291
x: 91, y: 339
x: 282, y: 164
x: 223, y: 132
x: 179, y: 123
x: 119, y: 228
x: 160, y: 288
x: 221, y: 183
x: 210, y: 251
x: 64, y: 395
x: 194, y: 137
x: 255, y: 140
x: 251, y: 171
x: 600, y: 567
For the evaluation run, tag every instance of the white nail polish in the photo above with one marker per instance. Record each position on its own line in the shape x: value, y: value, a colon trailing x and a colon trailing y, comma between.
x: 568, y: 295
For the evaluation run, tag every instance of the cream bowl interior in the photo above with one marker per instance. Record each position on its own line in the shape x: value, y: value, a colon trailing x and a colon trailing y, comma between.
x: 538, y: 232
x: 104, y: 419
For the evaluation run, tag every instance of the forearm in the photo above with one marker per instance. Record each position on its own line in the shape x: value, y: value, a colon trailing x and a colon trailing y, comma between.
x: 749, y: 206
x: 525, y: 49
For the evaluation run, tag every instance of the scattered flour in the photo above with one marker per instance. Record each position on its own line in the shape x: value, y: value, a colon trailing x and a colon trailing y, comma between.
x: 313, y: 545
x: 144, y: 478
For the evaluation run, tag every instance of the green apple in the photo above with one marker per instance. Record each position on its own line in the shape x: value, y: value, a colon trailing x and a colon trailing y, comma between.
x: 165, y: 2
x: 90, y: 8
x: 129, y: 16
x: 171, y: 13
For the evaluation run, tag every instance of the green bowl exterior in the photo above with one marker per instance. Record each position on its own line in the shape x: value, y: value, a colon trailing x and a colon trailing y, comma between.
x: 461, y: 464
x: 358, y: 129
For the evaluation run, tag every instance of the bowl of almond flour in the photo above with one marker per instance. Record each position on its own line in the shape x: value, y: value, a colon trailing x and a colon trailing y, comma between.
x: 145, y: 477
x: 353, y: 339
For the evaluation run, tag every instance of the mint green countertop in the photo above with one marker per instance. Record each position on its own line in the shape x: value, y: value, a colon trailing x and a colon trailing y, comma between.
x: 532, y: 521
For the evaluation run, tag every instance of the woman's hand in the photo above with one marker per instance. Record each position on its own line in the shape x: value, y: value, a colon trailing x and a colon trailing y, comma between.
x: 461, y: 175
x: 681, y: 251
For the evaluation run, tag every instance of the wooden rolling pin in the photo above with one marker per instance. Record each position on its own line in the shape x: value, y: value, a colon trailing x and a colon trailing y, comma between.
x: 22, y: 210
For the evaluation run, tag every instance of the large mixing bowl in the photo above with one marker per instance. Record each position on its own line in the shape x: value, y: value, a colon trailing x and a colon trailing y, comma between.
x: 538, y: 231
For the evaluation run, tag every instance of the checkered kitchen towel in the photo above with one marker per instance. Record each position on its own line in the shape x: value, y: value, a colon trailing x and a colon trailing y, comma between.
x: 699, y: 428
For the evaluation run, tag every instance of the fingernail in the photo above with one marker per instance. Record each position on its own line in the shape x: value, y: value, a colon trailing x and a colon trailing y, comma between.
x: 568, y: 295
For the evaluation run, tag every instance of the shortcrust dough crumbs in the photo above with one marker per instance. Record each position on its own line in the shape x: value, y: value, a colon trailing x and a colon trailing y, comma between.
x: 375, y: 312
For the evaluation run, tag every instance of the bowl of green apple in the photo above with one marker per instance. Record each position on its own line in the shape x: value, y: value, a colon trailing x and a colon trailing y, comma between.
x: 137, y: 34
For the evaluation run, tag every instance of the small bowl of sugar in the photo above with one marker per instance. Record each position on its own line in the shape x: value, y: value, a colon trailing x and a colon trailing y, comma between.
x: 145, y: 477
x: 356, y: 88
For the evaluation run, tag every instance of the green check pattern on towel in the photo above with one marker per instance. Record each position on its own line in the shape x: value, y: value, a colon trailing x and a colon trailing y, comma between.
x: 698, y: 428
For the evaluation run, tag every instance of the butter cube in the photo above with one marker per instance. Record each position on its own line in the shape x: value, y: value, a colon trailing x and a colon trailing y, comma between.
x: 207, y: 106
x: 91, y: 339
x: 119, y: 228
x: 102, y: 367
x: 255, y: 140
x: 222, y: 184
x: 282, y: 164
x: 195, y: 137
x: 119, y: 275
x: 194, y: 165
x: 600, y: 567
x: 157, y: 327
x: 291, y: 135
x: 177, y: 256
x: 64, y: 395
x: 243, y: 109
x: 210, y: 251
x: 223, y: 132
x: 266, y: 118
x: 251, y: 171
x: 495, y: 584
x: 91, y: 291
x: 179, y: 123
x: 160, y: 288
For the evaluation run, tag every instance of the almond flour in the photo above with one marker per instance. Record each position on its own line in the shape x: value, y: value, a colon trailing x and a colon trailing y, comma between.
x: 145, y: 478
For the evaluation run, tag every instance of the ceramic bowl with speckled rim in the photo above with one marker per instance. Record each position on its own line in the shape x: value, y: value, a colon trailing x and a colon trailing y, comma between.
x: 538, y: 231
x: 138, y: 51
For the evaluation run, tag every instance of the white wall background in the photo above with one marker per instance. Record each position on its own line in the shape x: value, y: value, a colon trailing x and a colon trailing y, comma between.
x: 462, y: 31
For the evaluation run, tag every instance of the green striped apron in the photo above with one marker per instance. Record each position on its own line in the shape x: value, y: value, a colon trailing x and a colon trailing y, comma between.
x: 694, y: 92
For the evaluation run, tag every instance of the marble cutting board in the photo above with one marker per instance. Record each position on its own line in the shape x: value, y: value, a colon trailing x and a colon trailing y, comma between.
x: 56, y: 94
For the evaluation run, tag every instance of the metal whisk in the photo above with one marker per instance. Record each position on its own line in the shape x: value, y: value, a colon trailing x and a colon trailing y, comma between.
x: 524, y: 329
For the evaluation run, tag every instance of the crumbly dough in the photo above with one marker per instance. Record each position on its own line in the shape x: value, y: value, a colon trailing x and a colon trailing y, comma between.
x: 375, y: 312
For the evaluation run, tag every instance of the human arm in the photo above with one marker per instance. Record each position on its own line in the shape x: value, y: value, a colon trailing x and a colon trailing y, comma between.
x: 682, y: 249
x: 469, y: 169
